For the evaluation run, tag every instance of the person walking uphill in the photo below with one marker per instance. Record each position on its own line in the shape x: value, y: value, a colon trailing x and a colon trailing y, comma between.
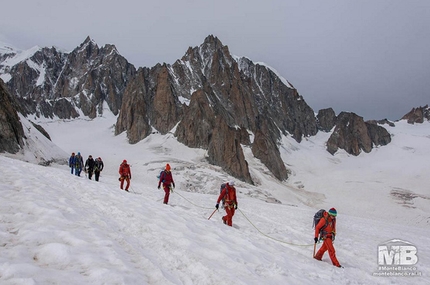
x: 125, y: 174
x: 79, y: 163
x: 89, y: 166
x: 167, y: 179
x: 228, y: 194
x: 326, y: 228
x: 98, y: 167
x: 72, y: 161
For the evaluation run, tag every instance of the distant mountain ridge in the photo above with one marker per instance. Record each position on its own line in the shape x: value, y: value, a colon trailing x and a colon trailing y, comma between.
x: 209, y: 99
x: 52, y: 83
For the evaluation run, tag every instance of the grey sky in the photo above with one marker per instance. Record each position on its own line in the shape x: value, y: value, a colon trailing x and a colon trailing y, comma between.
x: 371, y: 57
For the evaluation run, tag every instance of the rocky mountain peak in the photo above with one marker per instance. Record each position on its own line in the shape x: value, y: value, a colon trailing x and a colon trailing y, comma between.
x: 210, y: 45
x: 50, y: 82
x: 88, y: 42
x: 85, y: 51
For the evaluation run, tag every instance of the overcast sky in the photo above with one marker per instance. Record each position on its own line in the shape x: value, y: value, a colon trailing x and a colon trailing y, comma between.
x: 371, y: 57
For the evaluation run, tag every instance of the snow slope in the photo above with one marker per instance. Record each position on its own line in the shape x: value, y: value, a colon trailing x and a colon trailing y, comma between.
x: 56, y: 228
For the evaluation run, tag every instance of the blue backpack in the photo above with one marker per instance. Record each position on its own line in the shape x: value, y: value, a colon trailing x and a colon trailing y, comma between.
x: 159, y: 175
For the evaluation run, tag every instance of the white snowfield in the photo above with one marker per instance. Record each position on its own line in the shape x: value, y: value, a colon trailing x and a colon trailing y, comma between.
x: 57, y: 228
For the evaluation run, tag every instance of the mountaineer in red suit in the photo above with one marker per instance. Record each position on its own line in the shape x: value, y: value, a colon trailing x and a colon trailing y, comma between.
x: 167, y: 179
x: 228, y: 195
x: 125, y: 174
x: 326, y: 227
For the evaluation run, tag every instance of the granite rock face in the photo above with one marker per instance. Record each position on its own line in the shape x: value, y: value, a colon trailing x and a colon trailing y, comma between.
x: 379, y: 135
x: 354, y: 135
x: 216, y: 101
x: 418, y: 115
x: 326, y: 119
x: 11, y: 132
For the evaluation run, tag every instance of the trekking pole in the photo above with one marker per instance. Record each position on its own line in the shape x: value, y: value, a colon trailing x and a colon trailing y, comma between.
x: 212, y: 214
x: 132, y: 190
x: 315, y: 246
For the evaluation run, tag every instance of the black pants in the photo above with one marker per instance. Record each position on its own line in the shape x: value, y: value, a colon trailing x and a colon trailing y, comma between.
x: 90, y: 173
x: 96, y: 175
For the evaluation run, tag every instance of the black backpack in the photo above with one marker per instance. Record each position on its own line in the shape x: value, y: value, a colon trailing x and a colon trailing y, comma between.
x: 97, y: 166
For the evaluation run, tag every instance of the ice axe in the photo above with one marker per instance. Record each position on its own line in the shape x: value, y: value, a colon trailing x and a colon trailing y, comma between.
x: 212, y: 214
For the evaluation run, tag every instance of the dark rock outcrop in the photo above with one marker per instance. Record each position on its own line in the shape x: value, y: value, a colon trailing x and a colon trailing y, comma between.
x: 379, y: 135
x: 134, y: 115
x: 11, y: 132
x: 382, y: 122
x: 350, y: 134
x: 354, y: 135
x: 202, y: 127
x: 197, y: 126
x: 166, y: 112
x: 41, y: 130
x: 266, y: 149
x: 417, y: 115
x: 326, y: 119
x: 225, y: 150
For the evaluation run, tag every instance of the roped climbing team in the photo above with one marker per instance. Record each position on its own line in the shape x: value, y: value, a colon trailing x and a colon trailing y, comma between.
x: 227, y: 195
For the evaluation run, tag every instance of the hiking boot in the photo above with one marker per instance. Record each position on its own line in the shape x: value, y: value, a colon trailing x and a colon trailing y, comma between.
x: 317, y: 258
x: 340, y: 266
x: 223, y: 220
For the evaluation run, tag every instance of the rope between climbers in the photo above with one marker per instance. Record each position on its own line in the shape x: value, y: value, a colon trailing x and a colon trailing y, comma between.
x: 278, y: 240
x: 190, y: 201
